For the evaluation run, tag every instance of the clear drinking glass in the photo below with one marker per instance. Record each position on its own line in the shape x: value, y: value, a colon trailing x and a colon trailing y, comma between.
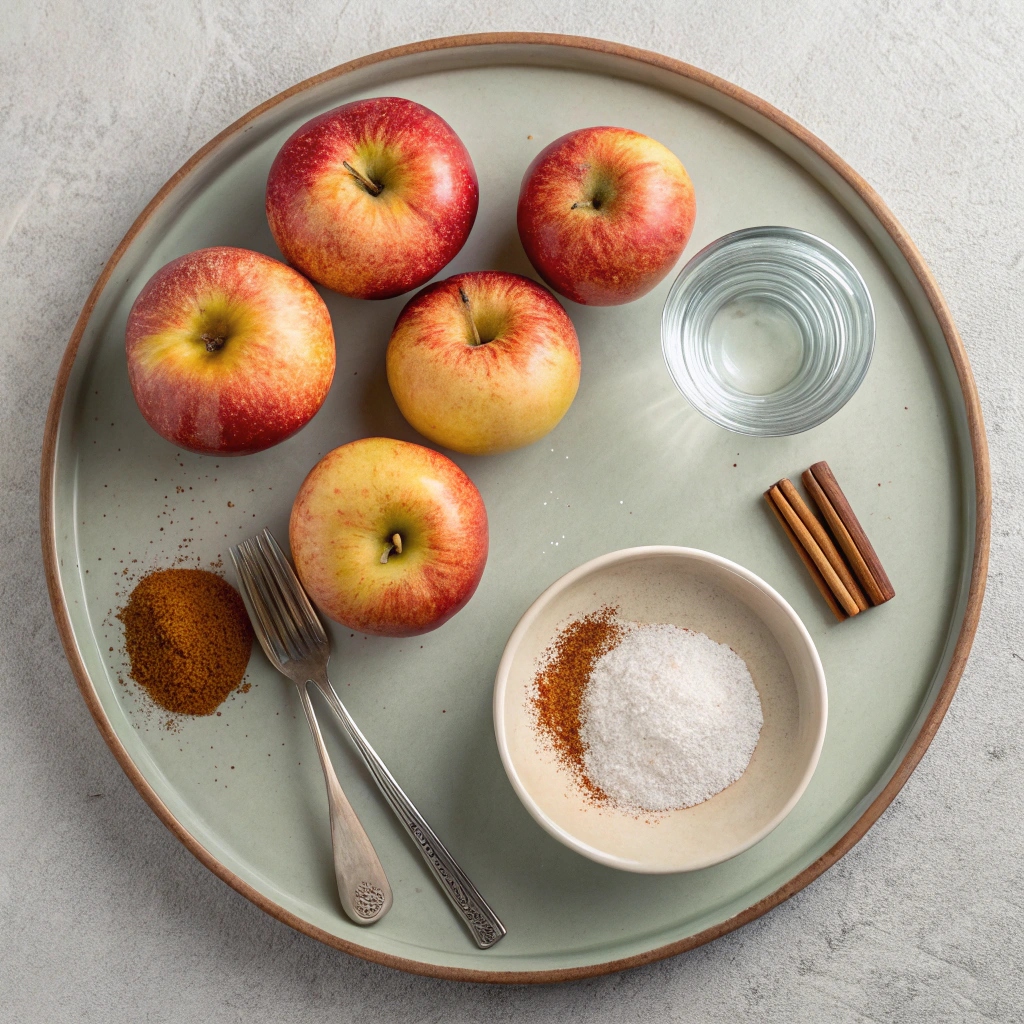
x: 768, y: 331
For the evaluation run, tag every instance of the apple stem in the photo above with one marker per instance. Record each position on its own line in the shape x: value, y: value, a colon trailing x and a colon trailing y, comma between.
x: 586, y: 204
x: 371, y: 186
x: 469, y: 315
x: 395, y: 544
x: 214, y: 343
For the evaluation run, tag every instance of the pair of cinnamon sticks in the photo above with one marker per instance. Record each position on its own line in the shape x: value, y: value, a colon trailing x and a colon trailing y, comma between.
x: 849, y: 585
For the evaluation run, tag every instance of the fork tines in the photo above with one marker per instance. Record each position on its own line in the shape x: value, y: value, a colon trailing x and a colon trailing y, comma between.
x: 282, y: 612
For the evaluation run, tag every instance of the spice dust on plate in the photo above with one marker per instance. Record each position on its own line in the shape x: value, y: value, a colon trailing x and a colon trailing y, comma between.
x: 650, y: 717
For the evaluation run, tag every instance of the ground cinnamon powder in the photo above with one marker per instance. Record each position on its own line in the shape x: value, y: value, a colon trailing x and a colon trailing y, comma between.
x: 561, y: 681
x: 188, y: 639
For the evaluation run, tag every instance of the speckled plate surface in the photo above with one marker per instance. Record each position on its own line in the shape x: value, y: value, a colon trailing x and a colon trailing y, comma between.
x: 631, y: 464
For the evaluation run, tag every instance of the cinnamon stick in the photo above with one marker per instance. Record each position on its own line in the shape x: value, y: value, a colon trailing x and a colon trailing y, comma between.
x: 824, y: 541
x: 819, y: 580
x: 842, y: 535
x: 865, y: 562
x: 817, y: 556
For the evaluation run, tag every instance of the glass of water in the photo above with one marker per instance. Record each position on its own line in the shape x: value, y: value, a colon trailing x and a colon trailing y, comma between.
x: 768, y: 331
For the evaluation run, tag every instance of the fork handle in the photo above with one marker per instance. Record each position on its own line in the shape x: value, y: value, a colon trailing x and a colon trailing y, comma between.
x: 483, y: 923
x: 362, y: 885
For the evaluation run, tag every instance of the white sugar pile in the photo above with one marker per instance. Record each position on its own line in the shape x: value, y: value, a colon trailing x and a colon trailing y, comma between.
x: 669, y: 718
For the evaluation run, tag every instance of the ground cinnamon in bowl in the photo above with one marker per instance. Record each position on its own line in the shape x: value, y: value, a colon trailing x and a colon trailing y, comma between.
x: 188, y: 639
x: 561, y: 682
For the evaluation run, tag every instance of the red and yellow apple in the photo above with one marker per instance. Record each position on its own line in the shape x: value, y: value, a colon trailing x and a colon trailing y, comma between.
x: 484, y: 362
x: 388, y: 537
x: 372, y: 198
x: 229, y: 351
x: 604, y: 213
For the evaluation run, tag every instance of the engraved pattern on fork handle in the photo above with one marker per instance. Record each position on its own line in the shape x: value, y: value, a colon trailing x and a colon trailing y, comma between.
x: 482, y: 922
x: 479, y: 919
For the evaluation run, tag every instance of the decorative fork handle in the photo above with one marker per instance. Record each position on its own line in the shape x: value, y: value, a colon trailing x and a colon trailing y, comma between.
x: 482, y: 922
x: 362, y: 885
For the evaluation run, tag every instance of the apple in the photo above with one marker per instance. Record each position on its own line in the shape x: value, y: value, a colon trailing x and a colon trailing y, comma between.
x: 484, y: 362
x: 388, y: 537
x: 604, y: 213
x: 372, y: 198
x: 229, y: 351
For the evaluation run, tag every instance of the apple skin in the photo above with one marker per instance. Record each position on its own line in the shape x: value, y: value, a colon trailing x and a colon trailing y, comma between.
x: 357, y: 497
x: 482, y: 398
x: 336, y: 232
x: 620, y: 247
x: 229, y: 351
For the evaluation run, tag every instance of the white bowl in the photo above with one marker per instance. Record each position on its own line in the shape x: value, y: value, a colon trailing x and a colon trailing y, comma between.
x: 699, y: 591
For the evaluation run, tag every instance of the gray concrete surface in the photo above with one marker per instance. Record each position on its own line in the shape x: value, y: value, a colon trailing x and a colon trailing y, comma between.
x: 103, y: 916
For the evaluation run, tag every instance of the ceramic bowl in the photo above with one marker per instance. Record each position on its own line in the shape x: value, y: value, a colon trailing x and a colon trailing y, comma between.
x: 699, y: 591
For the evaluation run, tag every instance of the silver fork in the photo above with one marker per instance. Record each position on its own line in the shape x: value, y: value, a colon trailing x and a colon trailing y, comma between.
x: 288, y: 607
x: 362, y: 885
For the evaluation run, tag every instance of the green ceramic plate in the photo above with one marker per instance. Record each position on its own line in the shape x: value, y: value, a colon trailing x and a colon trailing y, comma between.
x: 630, y: 464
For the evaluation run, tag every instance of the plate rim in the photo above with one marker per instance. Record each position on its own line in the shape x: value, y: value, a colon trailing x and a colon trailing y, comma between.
x: 982, y: 509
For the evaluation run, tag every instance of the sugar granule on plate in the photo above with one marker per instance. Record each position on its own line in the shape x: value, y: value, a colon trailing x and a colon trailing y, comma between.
x: 668, y: 719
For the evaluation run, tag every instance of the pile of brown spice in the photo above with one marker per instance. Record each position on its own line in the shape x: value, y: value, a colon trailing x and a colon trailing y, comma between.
x: 561, y: 681
x: 188, y: 639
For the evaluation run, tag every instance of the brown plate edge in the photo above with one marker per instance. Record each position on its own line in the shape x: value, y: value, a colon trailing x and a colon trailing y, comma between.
x: 972, y: 611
